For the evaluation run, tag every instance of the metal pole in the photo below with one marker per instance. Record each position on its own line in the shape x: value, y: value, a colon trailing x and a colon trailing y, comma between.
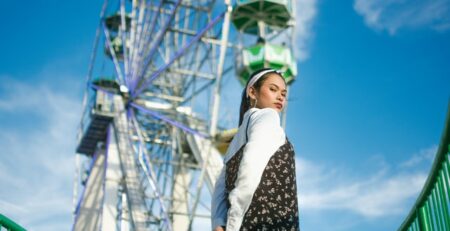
x: 223, y: 47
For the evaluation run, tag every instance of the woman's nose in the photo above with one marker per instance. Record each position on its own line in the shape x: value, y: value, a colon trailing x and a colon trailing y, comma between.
x: 280, y: 97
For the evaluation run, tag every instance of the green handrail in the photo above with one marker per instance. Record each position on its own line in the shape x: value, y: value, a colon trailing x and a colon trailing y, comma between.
x: 431, y: 210
x: 9, y: 225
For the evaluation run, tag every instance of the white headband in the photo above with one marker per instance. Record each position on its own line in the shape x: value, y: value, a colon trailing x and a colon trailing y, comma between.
x: 258, y: 76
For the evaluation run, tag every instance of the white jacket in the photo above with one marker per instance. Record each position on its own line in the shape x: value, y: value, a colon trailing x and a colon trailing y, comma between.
x: 265, y: 136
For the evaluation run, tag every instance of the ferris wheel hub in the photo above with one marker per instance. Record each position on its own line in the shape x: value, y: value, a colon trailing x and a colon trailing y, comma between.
x: 123, y: 89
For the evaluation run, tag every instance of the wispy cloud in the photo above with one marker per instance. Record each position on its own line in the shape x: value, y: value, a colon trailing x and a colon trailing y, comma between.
x: 392, y: 15
x: 305, y: 14
x: 423, y: 156
x: 385, y: 192
x: 37, y: 164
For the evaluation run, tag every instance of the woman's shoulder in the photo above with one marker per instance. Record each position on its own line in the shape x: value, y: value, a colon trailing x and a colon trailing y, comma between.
x: 265, y: 126
x: 265, y: 115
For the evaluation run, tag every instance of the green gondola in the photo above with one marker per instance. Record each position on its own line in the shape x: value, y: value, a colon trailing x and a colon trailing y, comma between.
x: 113, y: 22
x: 247, y: 14
x: 267, y: 55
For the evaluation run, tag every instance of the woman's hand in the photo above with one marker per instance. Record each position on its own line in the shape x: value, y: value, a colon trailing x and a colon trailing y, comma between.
x: 219, y: 228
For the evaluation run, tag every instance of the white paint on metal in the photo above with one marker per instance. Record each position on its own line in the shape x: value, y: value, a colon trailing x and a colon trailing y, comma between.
x: 113, y: 178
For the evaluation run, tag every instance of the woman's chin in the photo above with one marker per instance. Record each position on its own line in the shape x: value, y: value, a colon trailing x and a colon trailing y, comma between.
x: 278, y: 109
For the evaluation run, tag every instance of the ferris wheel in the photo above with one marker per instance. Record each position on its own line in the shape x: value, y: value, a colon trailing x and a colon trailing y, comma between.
x: 150, y: 145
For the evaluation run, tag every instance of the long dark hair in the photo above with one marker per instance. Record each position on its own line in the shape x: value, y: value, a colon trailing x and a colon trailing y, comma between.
x: 245, y: 100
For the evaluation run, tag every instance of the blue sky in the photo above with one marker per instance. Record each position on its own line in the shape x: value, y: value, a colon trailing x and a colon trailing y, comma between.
x: 365, y: 114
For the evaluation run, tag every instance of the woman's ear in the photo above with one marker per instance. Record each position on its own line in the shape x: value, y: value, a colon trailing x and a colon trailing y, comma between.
x: 252, y: 93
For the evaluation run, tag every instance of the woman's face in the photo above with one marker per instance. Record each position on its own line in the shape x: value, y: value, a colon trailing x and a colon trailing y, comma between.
x: 272, y: 93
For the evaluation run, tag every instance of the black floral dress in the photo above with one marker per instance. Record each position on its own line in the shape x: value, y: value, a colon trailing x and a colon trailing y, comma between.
x: 274, y: 204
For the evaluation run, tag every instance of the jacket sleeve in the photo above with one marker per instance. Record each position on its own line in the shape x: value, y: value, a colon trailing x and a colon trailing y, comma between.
x: 265, y: 136
x: 219, y: 202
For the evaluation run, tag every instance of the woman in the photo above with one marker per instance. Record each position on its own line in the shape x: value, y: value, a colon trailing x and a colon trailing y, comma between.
x: 256, y: 189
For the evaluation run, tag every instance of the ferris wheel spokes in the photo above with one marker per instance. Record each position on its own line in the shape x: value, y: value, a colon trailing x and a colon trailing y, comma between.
x: 147, y: 56
x: 177, y: 55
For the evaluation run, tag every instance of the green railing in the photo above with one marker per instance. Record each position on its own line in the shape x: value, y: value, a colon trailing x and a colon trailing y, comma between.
x: 431, y: 210
x: 9, y: 225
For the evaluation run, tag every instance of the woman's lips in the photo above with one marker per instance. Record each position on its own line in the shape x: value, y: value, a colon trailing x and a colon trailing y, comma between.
x: 279, y: 105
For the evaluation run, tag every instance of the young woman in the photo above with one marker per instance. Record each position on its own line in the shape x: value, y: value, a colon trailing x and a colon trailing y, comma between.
x: 256, y: 189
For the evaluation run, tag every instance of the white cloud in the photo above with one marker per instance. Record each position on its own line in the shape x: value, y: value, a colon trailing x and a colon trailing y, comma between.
x: 425, y: 155
x: 306, y: 11
x: 37, y: 161
x: 383, y: 193
x: 392, y: 15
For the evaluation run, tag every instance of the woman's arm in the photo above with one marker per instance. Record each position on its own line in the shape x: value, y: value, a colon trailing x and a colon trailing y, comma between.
x: 219, y: 202
x: 219, y: 228
x: 265, y: 136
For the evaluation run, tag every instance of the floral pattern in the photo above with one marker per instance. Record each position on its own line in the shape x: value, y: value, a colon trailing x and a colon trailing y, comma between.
x: 274, y: 204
